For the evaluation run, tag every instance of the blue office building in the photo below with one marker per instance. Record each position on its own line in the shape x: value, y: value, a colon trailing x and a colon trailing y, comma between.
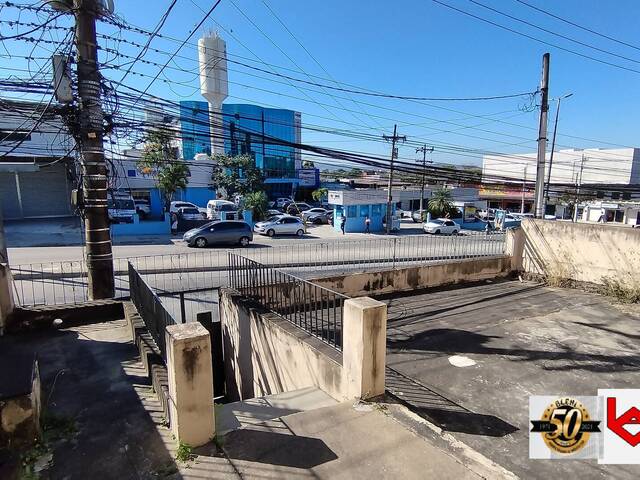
x: 245, y: 128
x: 194, y: 128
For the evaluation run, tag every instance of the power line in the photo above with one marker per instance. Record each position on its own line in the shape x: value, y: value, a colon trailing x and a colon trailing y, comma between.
x: 586, y: 29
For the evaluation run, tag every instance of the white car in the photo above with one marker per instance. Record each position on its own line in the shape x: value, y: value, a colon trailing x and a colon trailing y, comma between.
x: 175, y: 206
x: 281, y: 225
x: 312, y: 212
x: 441, y: 225
x: 143, y: 209
x: 281, y: 201
x: 190, y: 213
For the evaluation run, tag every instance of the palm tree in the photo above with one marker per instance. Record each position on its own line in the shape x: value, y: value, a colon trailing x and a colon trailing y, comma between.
x: 440, y: 203
x: 319, y: 194
x: 173, y: 177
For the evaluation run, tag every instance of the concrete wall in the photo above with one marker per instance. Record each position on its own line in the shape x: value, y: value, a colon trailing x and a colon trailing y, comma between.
x: 151, y: 227
x: 422, y: 276
x: 6, y: 296
x: 265, y: 354
x: 580, y: 251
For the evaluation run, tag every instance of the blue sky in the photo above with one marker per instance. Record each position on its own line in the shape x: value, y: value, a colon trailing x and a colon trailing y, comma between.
x: 416, y: 48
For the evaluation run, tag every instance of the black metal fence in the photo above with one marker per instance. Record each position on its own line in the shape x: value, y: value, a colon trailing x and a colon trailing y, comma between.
x: 153, y: 313
x: 313, y: 308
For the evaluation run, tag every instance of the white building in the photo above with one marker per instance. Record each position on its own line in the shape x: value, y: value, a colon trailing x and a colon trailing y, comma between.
x: 623, y: 213
x: 590, y: 166
x: 37, y: 174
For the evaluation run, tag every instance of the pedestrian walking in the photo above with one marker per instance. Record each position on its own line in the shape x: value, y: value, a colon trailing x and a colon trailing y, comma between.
x: 343, y: 221
x: 367, y: 224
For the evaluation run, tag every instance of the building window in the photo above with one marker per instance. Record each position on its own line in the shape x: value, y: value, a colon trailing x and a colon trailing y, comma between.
x: 626, y: 195
x: 131, y: 173
x: 376, y: 210
x: 364, y: 210
x: 352, y: 211
x: 615, y: 195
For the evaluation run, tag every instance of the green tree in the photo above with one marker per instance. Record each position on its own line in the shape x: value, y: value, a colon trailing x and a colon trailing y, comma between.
x: 173, y: 177
x: 440, y: 203
x: 159, y: 157
x: 319, y: 194
x: 236, y: 175
x: 257, y: 202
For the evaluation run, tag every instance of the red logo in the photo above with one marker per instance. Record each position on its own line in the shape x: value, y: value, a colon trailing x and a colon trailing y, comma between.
x: 630, y: 417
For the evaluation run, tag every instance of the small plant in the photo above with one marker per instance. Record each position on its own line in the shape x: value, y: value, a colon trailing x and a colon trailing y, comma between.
x: 184, y: 452
x: 625, y: 293
x: 558, y: 276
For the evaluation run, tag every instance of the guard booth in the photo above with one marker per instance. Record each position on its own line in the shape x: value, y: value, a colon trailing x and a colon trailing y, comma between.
x: 355, y: 206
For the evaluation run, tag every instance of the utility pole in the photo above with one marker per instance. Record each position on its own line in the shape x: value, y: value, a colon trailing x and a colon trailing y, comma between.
x: 94, y: 171
x: 542, y: 137
x: 578, y: 185
x: 524, y: 185
x: 424, y: 149
x: 394, y: 155
x: 553, y: 147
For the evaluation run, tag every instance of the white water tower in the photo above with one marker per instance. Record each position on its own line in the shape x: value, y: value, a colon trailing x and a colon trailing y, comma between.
x: 212, y: 52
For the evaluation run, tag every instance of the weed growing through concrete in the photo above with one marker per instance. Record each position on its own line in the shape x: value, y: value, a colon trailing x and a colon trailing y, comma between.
x: 625, y: 293
x: 184, y: 452
x: 54, y: 428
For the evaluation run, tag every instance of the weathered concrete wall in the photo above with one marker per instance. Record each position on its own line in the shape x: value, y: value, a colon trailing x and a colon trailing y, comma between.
x: 265, y: 354
x: 20, y: 407
x: 6, y: 296
x: 580, y: 251
x: 423, y: 276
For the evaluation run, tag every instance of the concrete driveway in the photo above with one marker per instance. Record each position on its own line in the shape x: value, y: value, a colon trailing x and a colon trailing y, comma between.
x: 468, y: 358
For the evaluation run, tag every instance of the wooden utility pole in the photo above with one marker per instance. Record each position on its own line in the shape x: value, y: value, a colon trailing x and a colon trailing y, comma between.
x: 424, y: 149
x: 542, y: 137
x: 394, y: 155
x: 94, y: 171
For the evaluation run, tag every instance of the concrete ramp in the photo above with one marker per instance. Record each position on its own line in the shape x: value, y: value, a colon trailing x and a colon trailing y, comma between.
x: 341, y: 441
x: 261, y: 412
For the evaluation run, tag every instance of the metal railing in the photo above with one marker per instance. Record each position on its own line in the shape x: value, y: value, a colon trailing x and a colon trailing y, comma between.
x: 313, y: 308
x: 150, y: 308
x: 66, y: 282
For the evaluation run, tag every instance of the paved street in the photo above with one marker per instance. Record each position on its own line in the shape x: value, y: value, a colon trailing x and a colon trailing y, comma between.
x: 468, y: 358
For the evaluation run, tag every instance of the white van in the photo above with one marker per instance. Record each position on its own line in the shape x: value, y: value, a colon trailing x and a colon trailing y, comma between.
x: 215, y: 206
x: 121, y: 207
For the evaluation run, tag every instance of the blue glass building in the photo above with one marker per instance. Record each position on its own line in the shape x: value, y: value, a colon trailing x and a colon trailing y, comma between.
x: 194, y: 128
x: 245, y: 125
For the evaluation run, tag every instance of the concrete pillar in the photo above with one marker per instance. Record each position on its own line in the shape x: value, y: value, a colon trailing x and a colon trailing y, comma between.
x: 6, y: 296
x: 191, y: 414
x: 515, y: 247
x: 364, y: 345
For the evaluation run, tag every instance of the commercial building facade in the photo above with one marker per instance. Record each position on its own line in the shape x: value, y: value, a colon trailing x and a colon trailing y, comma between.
x: 248, y: 130
x: 38, y: 172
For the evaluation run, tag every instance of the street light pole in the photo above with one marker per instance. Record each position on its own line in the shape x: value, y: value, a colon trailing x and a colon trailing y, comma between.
x: 553, y: 146
x: 424, y: 149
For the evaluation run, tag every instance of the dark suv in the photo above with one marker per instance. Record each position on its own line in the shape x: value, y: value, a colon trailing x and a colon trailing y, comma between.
x: 225, y: 232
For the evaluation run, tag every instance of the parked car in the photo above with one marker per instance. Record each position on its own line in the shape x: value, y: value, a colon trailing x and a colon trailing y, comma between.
x: 222, y: 232
x: 295, y: 208
x: 312, y: 212
x: 190, y: 213
x: 143, y: 208
x: 441, y: 225
x: 121, y: 208
x: 280, y: 202
x: 214, y: 207
x: 319, y: 218
x: 281, y: 225
x: 272, y: 213
x: 175, y: 206
x: 418, y: 216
